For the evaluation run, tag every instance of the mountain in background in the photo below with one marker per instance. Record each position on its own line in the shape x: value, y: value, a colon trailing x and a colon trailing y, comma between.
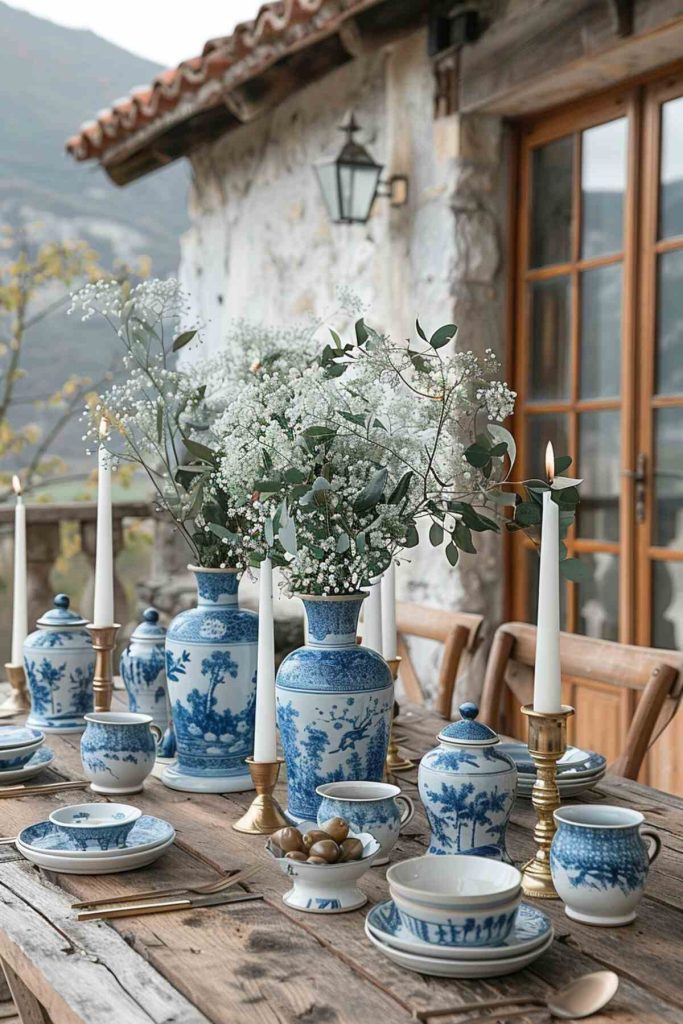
x: 51, y: 80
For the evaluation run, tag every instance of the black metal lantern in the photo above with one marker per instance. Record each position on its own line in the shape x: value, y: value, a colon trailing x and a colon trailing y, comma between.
x: 351, y: 181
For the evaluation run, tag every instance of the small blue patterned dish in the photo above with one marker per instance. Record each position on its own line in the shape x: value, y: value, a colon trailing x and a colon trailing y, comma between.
x: 574, y: 763
x: 531, y: 929
x: 12, y: 736
x: 146, y: 834
x: 38, y: 760
x: 95, y: 826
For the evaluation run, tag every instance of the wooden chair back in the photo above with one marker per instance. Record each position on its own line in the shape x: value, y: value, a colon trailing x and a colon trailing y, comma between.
x: 652, y: 678
x: 459, y: 632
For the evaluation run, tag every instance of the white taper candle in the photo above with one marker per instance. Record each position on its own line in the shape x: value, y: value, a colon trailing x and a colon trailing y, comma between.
x: 19, y: 598
x: 103, y: 612
x: 372, y: 624
x: 547, y: 674
x: 265, y: 744
x: 389, y: 612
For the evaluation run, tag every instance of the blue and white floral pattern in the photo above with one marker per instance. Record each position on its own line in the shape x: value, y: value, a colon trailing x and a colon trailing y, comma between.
x: 468, y: 788
x: 146, y: 830
x: 107, y: 748
x: 334, y: 707
x: 60, y: 665
x: 211, y: 654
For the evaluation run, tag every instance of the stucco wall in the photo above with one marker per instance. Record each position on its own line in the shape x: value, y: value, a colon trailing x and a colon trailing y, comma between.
x: 261, y: 245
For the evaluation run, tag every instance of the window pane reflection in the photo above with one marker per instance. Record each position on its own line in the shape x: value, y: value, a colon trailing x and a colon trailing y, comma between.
x: 550, y: 339
x: 601, y: 332
x: 551, y: 193
x: 603, y: 182
x: 671, y: 170
x: 668, y: 520
x: 599, y: 465
x: 669, y: 355
x: 667, y: 605
x: 540, y: 429
x: 598, y: 597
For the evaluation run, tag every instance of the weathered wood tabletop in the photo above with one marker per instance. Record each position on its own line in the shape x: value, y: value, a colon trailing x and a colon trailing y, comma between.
x: 262, y: 962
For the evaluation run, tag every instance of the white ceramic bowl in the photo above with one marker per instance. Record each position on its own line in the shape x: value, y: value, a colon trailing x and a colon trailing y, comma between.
x: 326, y: 888
x: 454, y: 882
x: 470, y: 927
x: 100, y: 826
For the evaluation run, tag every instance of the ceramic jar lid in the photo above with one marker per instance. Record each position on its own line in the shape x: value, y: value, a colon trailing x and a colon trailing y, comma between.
x: 150, y: 628
x: 60, y: 615
x: 467, y: 732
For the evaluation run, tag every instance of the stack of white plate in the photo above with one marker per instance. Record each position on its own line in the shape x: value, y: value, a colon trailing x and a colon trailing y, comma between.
x: 42, y: 844
x: 531, y: 935
x: 577, y: 769
x: 22, y: 754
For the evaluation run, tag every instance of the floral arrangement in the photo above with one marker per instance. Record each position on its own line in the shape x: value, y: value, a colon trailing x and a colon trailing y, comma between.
x: 328, y: 459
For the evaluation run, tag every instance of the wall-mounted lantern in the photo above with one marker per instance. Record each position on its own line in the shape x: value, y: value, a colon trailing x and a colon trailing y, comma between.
x: 351, y: 181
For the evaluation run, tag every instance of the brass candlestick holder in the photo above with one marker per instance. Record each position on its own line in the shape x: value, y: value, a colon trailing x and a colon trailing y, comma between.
x: 103, y: 641
x: 264, y: 815
x: 547, y: 744
x: 18, y: 700
x: 394, y: 762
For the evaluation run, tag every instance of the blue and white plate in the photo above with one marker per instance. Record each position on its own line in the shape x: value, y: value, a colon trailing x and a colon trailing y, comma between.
x: 146, y: 834
x: 42, y: 759
x: 532, y: 929
x: 574, y: 763
x: 12, y: 736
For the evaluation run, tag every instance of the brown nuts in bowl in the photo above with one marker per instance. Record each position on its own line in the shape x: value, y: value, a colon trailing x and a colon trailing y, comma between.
x: 330, y: 844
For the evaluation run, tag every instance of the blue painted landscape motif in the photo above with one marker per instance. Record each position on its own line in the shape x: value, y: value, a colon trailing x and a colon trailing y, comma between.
x: 355, y: 726
x: 206, y: 737
x: 600, y: 859
x: 126, y: 744
x: 466, y: 822
x: 52, y: 695
x: 138, y: 674
x: 454, y: 758
x: 365, y: 814
x: 489, y: 932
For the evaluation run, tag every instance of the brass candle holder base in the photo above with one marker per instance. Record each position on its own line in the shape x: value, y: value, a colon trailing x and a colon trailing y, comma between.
x: 547, y: 744
x: 18, y: 700
x: 394, y: 762
x: 264, y: 815
x: 104, y: 642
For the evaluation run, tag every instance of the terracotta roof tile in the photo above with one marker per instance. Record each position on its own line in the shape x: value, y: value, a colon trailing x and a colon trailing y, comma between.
x: 226, y: 61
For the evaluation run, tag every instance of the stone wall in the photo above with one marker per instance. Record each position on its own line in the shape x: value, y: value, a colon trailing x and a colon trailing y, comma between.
x: 261, y: 245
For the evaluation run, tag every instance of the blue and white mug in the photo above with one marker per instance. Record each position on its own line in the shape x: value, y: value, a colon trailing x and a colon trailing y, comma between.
x: 599, y: 862
x: 118, y: 750
x: 375, y: 807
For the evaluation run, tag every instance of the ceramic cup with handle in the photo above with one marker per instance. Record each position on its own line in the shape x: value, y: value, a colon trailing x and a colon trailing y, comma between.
x: 599, y: 861
x: 118, y: 750
x: 375, y: 807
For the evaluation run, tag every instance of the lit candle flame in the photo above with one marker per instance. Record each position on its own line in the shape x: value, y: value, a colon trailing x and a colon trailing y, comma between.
x: 550, y: 462
x: 104, y: 427
x: 16, y: 485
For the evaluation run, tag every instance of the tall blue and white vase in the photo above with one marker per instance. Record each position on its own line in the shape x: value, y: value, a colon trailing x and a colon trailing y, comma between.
x: 334, y: 705
x: 143, y: 670
x: 468, y: 788
x: 211, y: 654
x: 60, y: 664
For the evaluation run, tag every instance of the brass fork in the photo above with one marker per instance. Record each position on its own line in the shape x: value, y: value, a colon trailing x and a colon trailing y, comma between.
x: 209, y: 889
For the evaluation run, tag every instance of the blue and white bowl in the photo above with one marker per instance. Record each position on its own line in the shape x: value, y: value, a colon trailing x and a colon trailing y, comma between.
x: 18, y: 744
x: 456, y: 900
x: 95, y: 826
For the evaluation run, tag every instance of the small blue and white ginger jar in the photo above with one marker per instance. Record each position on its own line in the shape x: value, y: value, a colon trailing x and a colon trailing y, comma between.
x: 211, y: 657
x: 143, y: 670
x: 60, y: 664
x: 334, y: 705
x: 468, y: 789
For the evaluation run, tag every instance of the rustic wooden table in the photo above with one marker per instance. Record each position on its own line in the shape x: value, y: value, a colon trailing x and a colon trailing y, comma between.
x: 261, y: 962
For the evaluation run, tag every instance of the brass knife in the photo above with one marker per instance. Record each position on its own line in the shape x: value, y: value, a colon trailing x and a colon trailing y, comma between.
x: 163, y: 906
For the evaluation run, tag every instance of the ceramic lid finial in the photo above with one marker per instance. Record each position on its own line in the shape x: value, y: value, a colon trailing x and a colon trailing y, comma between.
x: 151, y: 615
x: 61, y: 615
x: 469, y: 710
x: 61, y: 601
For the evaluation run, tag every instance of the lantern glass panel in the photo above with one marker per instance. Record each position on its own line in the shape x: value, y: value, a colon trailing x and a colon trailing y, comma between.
x: 358, y: 185
x: 329, y: 186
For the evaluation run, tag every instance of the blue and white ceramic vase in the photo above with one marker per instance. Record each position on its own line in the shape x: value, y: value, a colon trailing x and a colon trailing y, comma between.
x: 60, y: 664
x: 143, y: 670
x: 468, y: 789
x: 599, y: 861
x: 334, y: 705
x: 211, y: 654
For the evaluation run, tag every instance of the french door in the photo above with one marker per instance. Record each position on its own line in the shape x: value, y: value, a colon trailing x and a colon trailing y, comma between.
x: 598, y: 360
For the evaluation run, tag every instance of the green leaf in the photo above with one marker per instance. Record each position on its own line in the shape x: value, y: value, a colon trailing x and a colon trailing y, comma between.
x: 160, y: 422
x: 574, y: 569
x: 435, y: 535
x: 463, y: 538
x: 320, y: 484
x: 401, y: 489
x: 354, y: 417
x: 223, y: 532
x: 200, y: 451
x: 412, y: 537
x: 336, y: 339
x: 566, y: 496
x: 527, y: 514
x: 443, y: 335
x: 287, y: 536
x: 294, y: 476
x: 419, y: 330
x: 268, y: 486
x: 372, y: 492
x: 452, y: 553
x: 361, y: 332
x: 562, y: 462
x: 360, y: 543
x: 269, y: 532
x: 343, y: 543
x: 183, y: 339
x: 419, y: 362
x: 498, y: 450
x: 477, y: 456
x: 561, y: 483
x: 318, y: 435
x: 501, y: 435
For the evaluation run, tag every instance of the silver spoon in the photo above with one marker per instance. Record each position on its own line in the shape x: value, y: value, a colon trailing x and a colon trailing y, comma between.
x: 580, y: 998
